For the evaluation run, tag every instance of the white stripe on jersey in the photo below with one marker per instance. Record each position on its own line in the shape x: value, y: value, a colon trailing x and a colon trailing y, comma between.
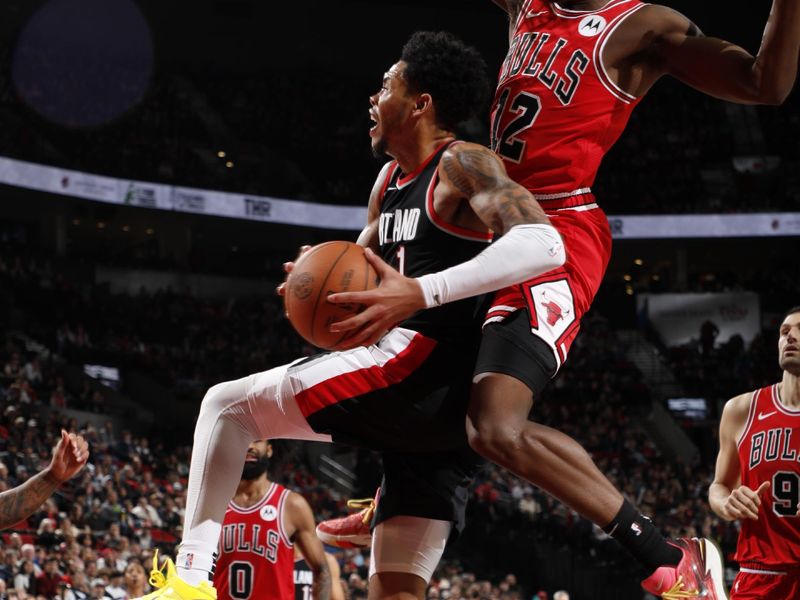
x: 307, y: 375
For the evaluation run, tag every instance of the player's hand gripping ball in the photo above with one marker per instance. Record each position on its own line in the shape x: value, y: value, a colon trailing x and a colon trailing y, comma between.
x: 326, y: 268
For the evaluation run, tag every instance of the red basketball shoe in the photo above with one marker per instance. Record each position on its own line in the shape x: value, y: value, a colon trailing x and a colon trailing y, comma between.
x: 352, y: 531
x: 698, y: 575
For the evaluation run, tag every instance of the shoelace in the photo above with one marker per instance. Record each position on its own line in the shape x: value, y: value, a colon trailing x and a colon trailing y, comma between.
x: 157, y: 577
x: 365, y: 505
x: 676, y: 592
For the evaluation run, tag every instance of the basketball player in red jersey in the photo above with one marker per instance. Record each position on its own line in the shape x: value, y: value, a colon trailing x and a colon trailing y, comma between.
x: 263, y: 525
x: 574, y: 72
x: 757, y: 480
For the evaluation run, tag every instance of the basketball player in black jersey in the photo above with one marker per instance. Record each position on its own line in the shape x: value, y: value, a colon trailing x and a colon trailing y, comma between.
x: 304, y: 577
x: 405, y: 395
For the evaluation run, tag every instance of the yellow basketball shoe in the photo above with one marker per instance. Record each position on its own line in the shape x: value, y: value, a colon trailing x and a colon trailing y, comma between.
x: 171, y: 587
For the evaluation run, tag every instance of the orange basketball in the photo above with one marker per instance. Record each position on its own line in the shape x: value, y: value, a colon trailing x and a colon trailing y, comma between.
x: 327, y: 268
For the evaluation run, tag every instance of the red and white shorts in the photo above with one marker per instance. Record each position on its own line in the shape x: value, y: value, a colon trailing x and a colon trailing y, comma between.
x: 556, y: 301
x: 766, y: 584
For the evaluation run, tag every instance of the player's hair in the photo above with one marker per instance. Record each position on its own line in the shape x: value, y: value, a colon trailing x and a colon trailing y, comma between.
x: 791, y: 311
x: 454, y: 74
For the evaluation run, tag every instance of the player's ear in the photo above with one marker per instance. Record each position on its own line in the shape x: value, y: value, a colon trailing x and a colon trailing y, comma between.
x: 424, y: 102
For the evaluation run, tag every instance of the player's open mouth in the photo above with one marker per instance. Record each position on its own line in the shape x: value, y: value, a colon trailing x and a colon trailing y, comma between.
x: 250, y: 458
x: 374, y: 120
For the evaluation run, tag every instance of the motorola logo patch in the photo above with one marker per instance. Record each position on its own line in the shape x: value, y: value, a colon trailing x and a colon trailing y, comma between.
x: 591, y: 25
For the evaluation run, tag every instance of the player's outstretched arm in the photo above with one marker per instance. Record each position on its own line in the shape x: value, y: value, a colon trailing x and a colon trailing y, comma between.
x: 69, y: 457
x: 674, y: 45
x: 727, y: 497
x: 305, y: 536
x: 529, y: 246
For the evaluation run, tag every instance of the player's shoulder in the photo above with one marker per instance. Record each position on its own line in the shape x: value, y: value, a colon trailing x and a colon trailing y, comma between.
x: 460, y: 152
x: 655, y: 20
x: 737, y: 408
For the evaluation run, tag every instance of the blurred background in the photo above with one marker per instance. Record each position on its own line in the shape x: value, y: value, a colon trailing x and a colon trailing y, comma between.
x: 159, y: 161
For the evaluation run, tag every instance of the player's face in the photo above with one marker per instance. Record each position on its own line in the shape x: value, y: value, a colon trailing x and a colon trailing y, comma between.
x: 390, y: 109
x: 789, y: 344
x: 256, y: 461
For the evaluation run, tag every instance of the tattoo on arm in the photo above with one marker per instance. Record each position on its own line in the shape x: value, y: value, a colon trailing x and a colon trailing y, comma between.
x: 497, y: 200
x: 20, y: 502
x: 321, y: 588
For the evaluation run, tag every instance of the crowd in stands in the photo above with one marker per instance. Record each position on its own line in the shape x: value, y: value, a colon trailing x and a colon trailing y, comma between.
x: 282, y: 146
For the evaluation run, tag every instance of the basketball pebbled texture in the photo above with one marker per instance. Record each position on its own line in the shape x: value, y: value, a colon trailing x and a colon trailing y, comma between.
x: 327, y: 268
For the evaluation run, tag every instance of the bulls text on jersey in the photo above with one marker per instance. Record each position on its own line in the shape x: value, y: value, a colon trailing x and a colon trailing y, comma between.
x: 772, y: 445
x: 533, y: 53
x: 235, y: 539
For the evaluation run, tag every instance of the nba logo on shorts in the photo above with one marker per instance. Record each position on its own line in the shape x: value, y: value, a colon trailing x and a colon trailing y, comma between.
x: 187, y: 563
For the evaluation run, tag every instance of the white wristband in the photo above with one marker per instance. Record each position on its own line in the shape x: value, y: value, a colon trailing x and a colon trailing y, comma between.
x: 523, y: 252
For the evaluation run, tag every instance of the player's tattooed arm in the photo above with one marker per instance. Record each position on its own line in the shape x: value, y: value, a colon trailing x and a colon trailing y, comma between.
x: 69, y: 457
x: 301, y: 519
x: 478, y: 175
x: 20, y: 502
x: 321, y: 588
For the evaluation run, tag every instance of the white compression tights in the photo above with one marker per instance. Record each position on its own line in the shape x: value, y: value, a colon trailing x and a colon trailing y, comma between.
x: 232, y: 415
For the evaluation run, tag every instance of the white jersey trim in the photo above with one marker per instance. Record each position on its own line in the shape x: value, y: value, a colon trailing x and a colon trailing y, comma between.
x: 776, y: 400
x: 559, y: 195
x: 750, y: 416
x: 281, y: 511
x: 762, y: 572
x: 600, y: 67
x: 257, y: 506
x: 581, y: 208
x: 569, y: 13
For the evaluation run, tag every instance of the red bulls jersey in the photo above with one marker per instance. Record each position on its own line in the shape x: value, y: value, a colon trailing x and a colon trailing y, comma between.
x: 769, y: 450
x: 256, y: 558
x: 556, y: 111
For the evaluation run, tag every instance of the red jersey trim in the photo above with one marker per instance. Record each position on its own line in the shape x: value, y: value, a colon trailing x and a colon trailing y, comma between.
x: 368, y: 379
x: 450, y: 228
x: 388, y: 179
x: 776, y: 400
x: 751, y: 415
x: 406, y: 179
x: 600, y: 67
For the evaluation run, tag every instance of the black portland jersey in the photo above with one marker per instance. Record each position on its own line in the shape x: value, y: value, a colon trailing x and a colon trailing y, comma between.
x: 303, y: 580
x: 416, y: 241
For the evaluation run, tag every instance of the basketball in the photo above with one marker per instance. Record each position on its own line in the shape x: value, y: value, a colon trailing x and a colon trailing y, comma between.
x: 326, y: 268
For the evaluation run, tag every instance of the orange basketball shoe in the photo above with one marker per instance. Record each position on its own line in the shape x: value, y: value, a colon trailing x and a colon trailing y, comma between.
x: 698, y: 575
x: 352, y: 531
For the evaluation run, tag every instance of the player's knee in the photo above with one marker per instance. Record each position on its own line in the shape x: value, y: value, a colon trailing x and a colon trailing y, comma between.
x: 215, y: 401
x: 492, y: 441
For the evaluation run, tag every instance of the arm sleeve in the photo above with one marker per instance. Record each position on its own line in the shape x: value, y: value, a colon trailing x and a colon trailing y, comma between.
x: 524, y: 252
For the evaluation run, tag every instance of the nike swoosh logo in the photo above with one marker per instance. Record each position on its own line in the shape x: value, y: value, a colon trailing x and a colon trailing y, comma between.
x: 762, y: 416
x: 533, y: 15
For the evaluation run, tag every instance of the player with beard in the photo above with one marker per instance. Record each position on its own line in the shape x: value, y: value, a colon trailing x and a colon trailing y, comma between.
x: 262, y: 525
x: 757, y: 480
